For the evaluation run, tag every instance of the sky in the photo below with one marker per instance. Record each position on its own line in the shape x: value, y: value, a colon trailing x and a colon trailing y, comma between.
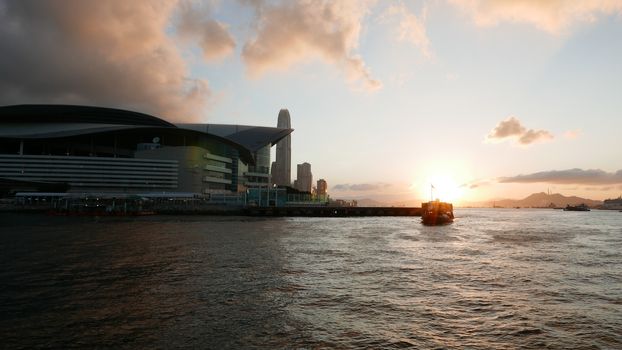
x: 482, y: 99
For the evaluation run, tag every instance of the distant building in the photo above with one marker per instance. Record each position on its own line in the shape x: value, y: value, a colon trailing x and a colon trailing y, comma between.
x: 343, y: 203
x: 304, y: 177
x: 282, y: 167
x: 322, y: 187
x: 613, y: 203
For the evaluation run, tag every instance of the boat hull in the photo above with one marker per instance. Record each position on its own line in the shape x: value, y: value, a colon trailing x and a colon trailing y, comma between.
x: 437, y: 213
x: 576, y: 208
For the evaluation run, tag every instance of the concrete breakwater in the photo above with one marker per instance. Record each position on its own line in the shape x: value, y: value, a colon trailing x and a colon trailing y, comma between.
x: 333, y: 211
x: 227, y: 210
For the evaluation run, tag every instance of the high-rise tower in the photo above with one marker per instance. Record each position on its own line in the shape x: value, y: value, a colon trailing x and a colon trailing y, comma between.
x: 282, y: 173
x: 304, y: 180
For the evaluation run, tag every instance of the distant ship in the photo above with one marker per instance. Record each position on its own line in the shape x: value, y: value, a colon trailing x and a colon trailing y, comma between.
x: 580, y: 207
x: 437, y: 213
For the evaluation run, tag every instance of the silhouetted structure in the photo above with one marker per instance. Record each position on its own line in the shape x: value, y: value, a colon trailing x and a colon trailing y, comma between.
x: 282, y: 167
x: 106, y: 150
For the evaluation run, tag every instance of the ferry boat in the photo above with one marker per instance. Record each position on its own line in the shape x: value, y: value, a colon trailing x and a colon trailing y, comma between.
x: 437, y: 213
x: 580, y: 207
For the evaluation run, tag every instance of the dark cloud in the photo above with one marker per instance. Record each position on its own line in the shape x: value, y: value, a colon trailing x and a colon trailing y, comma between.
x: 361, y: 187
x: 106, y: 52
x: 212, y: 36
x: 512, y: 128
x: 570, y: 176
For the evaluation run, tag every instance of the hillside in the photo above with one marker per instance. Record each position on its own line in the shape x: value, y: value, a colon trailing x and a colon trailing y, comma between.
x: 543, y: 199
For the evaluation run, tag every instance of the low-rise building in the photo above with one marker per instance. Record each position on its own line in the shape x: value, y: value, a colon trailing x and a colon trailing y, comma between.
x: 105, y: 150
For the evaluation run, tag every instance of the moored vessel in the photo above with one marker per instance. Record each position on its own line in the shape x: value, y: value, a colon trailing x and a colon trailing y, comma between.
x: 580, y: 207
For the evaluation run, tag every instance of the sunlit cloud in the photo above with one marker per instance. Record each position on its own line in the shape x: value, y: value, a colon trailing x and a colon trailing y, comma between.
x: 291, y: 32
x: 411, y: 27
x: 552, y: 16
x: 570, y: 176
x: 476, y: 184
x: 512, y: 128
x: 572, y: 134
x: 195, y: 24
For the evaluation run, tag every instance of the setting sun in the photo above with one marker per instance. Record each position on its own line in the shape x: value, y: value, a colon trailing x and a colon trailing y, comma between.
x: 443, y: 180
x: 444, y: 188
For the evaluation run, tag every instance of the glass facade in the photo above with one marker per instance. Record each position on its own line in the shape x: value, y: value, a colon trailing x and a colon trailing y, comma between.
x: 262, y: 161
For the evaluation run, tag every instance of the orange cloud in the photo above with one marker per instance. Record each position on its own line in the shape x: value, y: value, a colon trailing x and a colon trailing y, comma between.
x: 411, y: 28
x: 553, y: 16
x: 212, y: 36
x: 572, y: 134
x: 512, y: 128
x: 290, y: 32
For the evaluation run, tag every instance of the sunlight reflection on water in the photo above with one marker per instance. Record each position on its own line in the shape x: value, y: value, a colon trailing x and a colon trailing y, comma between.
x: 493, y: 279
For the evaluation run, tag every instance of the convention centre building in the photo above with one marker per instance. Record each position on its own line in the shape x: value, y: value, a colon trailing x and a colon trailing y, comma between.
x: 105, y: 150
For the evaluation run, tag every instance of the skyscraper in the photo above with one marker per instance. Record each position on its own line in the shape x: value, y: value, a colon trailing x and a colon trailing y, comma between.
x: 304, y: 177
x: 322, y: 187
x: 282, y: 167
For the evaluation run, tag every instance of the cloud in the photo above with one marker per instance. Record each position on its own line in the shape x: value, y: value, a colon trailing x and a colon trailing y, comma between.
x: 572, y: 134
x: 361, y: 187
x: 475, y: 184
x: 290, y: 32
x: 512, y: 128
x: 106, y: 52
x: 507, y: 128
x: 212, y: 36
x: 530, y: 136
x: 411, y: 28
x: 571, y: 176
x: 553, y: 16
x: 602, y: 188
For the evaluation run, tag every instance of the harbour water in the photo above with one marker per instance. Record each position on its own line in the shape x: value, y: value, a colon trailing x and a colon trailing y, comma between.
x: 495, y: 278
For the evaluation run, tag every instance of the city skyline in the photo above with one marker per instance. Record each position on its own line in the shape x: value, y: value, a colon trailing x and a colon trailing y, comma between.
x: 483, y: 99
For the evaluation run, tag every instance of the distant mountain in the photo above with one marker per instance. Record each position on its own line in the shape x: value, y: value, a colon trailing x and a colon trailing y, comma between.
x: 543, y: 199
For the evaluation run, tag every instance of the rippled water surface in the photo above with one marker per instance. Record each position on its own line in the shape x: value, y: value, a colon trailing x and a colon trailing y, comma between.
x: 493, y: 279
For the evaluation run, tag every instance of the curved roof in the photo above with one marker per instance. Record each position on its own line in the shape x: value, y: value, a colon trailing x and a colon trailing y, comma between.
x: 57, y: 130
x: 57, y: 121
x: 251, y: 137
x: 76, y: 114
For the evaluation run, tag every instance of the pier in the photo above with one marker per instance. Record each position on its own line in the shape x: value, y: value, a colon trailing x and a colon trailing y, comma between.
x: 121, y: 205
x: 325, y: 211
